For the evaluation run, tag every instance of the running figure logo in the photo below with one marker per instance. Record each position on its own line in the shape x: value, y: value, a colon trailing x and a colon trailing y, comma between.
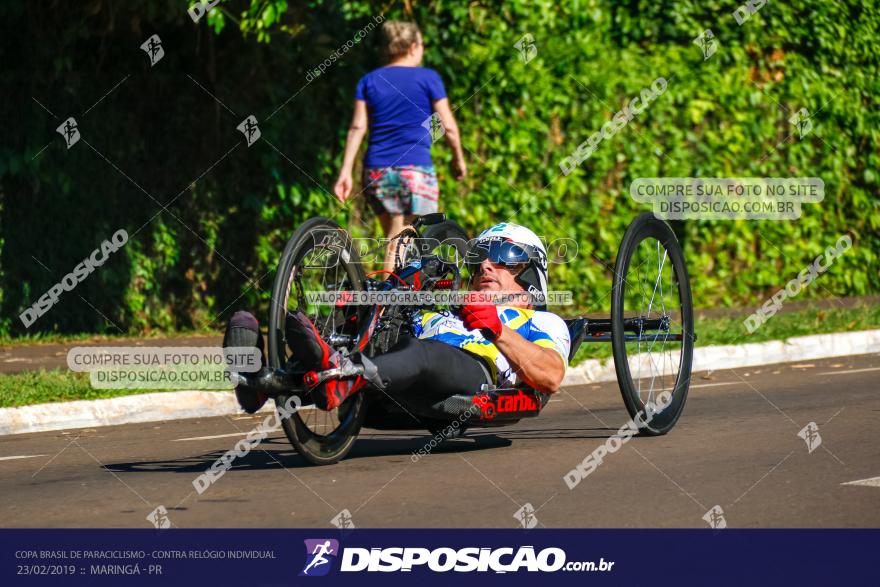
x: 70, y: 131
x: 801, y: 120
x: 526, y: 516
x: 526, y: 47
x: 707, y: 43
x: 810, y: 434
x: 715, y: 518
x: 250, y: 129
x: 435, y: 127
x: 343, y: 520
x: 320, y: 553
x: 153, y: 48
x: 159, y: 518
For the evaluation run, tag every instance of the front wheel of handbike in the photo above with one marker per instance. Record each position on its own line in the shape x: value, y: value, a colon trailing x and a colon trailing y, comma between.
x: 319, y: 258
x: 652, y: 325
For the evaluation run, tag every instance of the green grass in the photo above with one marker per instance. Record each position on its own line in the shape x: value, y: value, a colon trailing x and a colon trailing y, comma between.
x: 783, y: 326
x: 58, y: 385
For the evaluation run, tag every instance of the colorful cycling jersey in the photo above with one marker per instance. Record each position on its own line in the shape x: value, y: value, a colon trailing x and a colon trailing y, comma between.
x: 542, y: 328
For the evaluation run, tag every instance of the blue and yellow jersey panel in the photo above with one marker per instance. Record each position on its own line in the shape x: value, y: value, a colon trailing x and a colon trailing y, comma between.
x: 545, y: 329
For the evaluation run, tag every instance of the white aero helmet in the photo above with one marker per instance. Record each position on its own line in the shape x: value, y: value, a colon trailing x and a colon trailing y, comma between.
x: 511, y: 244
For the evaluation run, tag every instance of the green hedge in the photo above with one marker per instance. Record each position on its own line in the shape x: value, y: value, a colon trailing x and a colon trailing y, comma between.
x: 189, y: 267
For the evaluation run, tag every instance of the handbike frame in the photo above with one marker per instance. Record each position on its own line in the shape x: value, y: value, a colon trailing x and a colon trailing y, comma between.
x: 489, y: 406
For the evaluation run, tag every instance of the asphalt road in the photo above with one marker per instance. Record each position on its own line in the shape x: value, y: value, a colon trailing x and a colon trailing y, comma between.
x: 736, y: 446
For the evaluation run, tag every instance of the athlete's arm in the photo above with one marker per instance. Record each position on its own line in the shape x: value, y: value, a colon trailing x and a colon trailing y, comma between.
x: 542, y: 368
x: 356, y: 133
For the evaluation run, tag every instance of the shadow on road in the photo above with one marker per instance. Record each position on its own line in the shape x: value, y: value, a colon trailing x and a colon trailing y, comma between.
x: 550, y: 434
x: 262, y: 458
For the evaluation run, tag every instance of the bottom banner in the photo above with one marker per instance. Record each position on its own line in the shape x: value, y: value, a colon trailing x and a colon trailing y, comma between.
x: 392, y: 557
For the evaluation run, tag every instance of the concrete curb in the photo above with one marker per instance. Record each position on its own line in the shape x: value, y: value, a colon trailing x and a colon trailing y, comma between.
x: 176, y: 405
x: 130, y: 409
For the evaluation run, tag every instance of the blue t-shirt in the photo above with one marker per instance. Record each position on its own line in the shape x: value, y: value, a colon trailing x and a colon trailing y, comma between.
x: 399, y: 101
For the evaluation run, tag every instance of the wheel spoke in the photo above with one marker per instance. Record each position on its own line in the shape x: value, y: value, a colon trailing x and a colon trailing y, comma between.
x: 652, y: 299
x: 655, y: 370
x: 659, y: 276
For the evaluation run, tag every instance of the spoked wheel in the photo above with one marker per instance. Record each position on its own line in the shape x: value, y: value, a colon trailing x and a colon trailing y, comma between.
x: 652, y: 324
x: 447, y: 240
x: 319, y: 258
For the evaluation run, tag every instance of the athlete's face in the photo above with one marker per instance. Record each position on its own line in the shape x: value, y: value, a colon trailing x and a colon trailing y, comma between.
x: 500, y: 278
x: 495, y: 277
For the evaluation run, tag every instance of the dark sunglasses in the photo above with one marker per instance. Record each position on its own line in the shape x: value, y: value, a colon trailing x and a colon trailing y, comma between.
x: 505, y: 253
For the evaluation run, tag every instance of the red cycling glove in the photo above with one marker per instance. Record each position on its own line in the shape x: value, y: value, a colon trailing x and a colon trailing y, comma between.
x: 483, y: 317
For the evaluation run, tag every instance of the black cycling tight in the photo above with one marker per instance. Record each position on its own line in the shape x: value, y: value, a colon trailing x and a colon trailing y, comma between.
x: 430, y: 368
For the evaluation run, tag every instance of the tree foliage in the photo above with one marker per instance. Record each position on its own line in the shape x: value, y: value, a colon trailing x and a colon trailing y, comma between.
x: 208, y: 216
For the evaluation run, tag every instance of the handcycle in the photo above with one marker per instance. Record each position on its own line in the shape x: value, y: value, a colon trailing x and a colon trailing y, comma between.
x: 651, y: 330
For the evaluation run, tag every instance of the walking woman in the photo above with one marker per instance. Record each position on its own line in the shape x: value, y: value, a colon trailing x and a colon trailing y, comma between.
x: 396, y: 102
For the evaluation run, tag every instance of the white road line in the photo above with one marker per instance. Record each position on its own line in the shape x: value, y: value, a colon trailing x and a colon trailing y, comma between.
x: 716, y: 384
x: 850, y: 371
x: 20, y: 457
x: 872, y: 482
x: 219, y: 436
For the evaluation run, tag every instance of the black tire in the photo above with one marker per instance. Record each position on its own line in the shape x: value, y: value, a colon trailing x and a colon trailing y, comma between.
x: 327, y: 443
x: 631, y: 299
x: 453, y: 247
x: 446, y: 239
x: 453, y: 241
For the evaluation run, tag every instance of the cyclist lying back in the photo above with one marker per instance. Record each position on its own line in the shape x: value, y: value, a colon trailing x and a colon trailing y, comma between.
x: 449, y: 354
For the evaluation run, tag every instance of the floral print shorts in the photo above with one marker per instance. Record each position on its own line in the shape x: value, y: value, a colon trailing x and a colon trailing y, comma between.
x: 408, y: 189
